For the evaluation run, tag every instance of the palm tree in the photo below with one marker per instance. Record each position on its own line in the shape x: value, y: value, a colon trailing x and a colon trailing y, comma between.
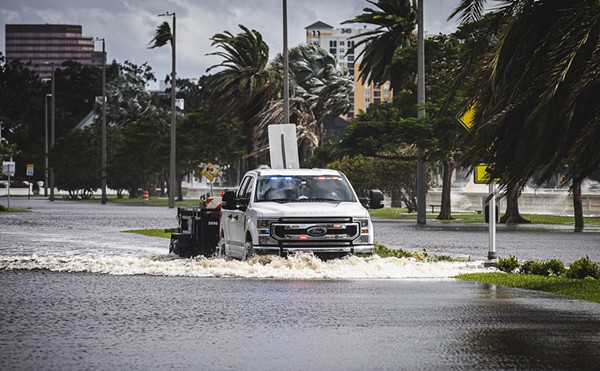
x: 243, y: 85
x: 316, y: 77
x: 538, y: 86
x: 395, y: 23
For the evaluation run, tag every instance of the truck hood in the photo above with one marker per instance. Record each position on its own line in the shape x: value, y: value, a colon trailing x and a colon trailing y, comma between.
x: 274, y: 210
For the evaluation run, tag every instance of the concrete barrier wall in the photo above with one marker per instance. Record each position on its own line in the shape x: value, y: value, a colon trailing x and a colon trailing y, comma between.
x: 540, y: 202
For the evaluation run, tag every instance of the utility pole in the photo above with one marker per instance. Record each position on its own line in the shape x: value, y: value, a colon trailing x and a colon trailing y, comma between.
x: 421, y: 178
x: 103, y: 164
x: 52, y: 129
x: 286, y: 89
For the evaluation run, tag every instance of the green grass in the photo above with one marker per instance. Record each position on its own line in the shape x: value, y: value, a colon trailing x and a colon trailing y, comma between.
x: 153, y: 201
x: 4, y: 209
x: 162, y: 233
x: 473, y: 217
x: 566, y: 287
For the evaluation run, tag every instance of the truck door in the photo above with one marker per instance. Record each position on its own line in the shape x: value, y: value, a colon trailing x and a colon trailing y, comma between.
x: 236, y: 218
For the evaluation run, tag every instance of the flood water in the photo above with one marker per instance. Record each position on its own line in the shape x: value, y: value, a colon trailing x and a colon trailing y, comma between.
x: 77, y: 293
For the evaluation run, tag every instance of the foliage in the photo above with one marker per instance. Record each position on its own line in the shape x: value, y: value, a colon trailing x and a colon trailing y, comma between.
x: 532, y: 267
x: 385, y: 252
x: 76, y: 163
x: 395, y: 22
x: 583, y: 268
x: 508, y: 265
x: 316, y: 78
x: 395, y: 178
x: 538, y: 84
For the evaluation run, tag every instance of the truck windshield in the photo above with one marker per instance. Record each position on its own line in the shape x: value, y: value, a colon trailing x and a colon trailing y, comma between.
x: 303, y: 188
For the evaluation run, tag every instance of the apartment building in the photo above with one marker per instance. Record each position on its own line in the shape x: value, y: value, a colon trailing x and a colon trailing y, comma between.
x: 339, y: 43
x: 45, y: 44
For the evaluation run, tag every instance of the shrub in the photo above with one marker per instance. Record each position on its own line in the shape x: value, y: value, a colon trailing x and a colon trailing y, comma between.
x: 385, y: 252
x: 553, y: 267
x: 583, y: 268
x: 508, y: 265
x: 532, y: 267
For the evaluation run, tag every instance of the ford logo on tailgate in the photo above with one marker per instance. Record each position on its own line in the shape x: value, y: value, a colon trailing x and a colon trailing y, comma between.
x: 317, y: 231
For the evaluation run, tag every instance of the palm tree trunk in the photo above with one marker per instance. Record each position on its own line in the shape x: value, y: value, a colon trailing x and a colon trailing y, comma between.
x: 446, y: 209
x: 577, y: 205
x: 512, y: 215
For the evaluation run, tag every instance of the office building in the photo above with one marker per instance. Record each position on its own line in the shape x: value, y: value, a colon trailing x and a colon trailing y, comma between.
x: 45, y: 44
x: 339, y: 43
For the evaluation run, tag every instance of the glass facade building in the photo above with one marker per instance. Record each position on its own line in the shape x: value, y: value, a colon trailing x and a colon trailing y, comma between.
x: 38, y: 46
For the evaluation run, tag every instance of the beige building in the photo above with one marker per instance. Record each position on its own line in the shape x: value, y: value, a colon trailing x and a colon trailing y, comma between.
x: 337, y: 42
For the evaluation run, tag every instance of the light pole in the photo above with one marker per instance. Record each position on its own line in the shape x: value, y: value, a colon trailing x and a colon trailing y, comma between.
x: 286, y: 93
x: 421, y: 187
x: 52, y: 130
x: 46, y: 146
x: 103, y: 164
x: 173, y: 116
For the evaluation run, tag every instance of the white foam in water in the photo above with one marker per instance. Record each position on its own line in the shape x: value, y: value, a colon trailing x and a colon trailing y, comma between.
x: 302, y: 266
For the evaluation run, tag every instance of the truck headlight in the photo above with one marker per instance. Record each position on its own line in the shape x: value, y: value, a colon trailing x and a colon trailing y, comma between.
x: 365, y: 231
x: 264, y: 231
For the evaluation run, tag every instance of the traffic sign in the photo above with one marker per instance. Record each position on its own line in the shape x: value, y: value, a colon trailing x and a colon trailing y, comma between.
x: 8, y: 168
x: 29, y: 170
x: 481, y: 174
x: 466, y: 120
x: 210, y: 171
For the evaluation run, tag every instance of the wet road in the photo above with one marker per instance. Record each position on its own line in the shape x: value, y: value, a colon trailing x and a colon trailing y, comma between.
x: 67, y: 321
x: 155, y: 311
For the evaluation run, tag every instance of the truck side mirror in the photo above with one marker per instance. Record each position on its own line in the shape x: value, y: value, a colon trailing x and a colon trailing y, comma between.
x: 228, y: 202
x: 375, y: 199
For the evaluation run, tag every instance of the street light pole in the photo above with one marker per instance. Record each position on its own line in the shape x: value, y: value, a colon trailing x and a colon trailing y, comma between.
x: 173, y: 116
x: 421, y: 187
x: 52, y: 130
x: 286, y: 93
x: 103, y: 164
x: 46, y: 146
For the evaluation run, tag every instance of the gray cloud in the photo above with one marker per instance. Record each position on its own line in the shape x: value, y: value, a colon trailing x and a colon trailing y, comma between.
x: 128, y: 25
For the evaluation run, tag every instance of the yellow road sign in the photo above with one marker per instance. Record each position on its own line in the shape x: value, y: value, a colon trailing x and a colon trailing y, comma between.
x: 466, y: 120
x: 210, y: 171
x: 481, y: 174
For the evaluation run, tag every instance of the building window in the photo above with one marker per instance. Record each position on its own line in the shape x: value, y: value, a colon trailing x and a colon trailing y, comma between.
x: 367, y: 93
x: 342, y: 50
x: 386, y: 93
x: 341, y: 42
x: 367, y: 100
x: 377, y: 93
x: 333, y: 51
x: 332, y: 43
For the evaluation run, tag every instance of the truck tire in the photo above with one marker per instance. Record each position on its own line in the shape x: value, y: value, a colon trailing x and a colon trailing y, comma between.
x: 248, y: 251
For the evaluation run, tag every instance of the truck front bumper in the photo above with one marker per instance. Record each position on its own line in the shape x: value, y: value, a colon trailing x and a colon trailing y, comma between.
x: 359, y: 250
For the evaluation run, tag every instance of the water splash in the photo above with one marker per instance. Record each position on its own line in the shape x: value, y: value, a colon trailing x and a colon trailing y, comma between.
x: 301, y: 266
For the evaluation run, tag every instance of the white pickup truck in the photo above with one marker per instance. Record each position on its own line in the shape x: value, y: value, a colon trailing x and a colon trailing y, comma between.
x: 296, y: 210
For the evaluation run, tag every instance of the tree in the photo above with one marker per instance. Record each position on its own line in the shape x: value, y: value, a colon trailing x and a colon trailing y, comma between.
x: 395, y: 22
x: 76, y: 159
x: 538, y: 84
x: 244, y: 84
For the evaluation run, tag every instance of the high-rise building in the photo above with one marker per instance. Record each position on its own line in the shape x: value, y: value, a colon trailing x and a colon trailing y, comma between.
x: 45, y: 44
x: 341, y: 42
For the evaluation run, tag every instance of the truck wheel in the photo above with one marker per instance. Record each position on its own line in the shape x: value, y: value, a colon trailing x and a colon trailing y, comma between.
x: 248, y: 251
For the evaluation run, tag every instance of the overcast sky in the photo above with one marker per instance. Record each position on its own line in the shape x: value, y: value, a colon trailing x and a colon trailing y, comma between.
x: 129, y: 25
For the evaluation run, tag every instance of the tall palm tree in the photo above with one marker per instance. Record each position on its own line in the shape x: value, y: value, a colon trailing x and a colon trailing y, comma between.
x: 243, y: 84
x: 395, y: 22
x: 538, y: 87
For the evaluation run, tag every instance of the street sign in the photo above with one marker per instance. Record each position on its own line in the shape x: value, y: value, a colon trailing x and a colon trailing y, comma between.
x: 481, y: 174
x: 29, y: 170
x: 8, y: 168
x: 210, y: 171
x: 466, y: 120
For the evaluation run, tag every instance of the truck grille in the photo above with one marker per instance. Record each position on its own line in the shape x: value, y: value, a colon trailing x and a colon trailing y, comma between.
x: 315, y: 232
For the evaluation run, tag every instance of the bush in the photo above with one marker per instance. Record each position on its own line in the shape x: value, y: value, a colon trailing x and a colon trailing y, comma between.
x: 532, y: 267
x: 583, y: 268
x: 508, y: 265
x: 553, y: 267
x: 385, y: 252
